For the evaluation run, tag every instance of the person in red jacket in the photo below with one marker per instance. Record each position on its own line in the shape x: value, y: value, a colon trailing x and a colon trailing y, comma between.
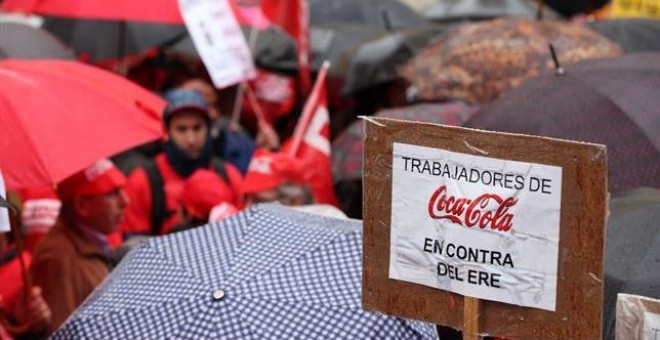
x: 154, y: 189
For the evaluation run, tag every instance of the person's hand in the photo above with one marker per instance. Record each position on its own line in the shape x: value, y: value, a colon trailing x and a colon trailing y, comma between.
x: 32, y: 312
x: 267, y: 138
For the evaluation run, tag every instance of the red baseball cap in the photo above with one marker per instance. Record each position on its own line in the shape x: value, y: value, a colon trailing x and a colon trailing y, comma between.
x: 269, y: 170
x: 100, y: 178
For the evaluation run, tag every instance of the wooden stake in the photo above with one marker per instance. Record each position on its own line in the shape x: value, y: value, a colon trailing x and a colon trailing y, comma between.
x: 470, y: 318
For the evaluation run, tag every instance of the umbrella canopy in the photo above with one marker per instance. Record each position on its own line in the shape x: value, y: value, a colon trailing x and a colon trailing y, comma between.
x: 61, y: 116
x: 26, y: 42
x: 451, y: 10
x: 633, y: 35
x: 266, y: 273
x: 144, y: 10
x: 103, y: 40
x: 478, y: 61
x: 384, y: 14
x: 609, y: 101
x: 632, y: 255
x: 348, y: 147
x: 377, y: 61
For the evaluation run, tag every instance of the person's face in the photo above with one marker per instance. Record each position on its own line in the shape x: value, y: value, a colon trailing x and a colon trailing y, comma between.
x: 188, y: 131
x: 102, y: 212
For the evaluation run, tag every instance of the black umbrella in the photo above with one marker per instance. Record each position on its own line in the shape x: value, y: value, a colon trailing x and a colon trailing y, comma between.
x: 385, y: 14
x: 103, y: 40
x: 609, y: 101
x: 632, y: 250
x: 377, y: 61
x: 633, y: 35
x: 26, y: 42
x: 453, y: 10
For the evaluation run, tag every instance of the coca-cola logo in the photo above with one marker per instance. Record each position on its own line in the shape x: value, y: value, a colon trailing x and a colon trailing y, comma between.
x: 472, y: 212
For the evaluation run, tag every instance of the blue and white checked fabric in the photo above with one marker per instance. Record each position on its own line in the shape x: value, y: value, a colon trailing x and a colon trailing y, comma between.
x: 285, y: 275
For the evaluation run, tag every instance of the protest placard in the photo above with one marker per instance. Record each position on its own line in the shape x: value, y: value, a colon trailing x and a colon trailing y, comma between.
x: 514, y: 221
x: 637, y: 317
x: 219, y: 41
x: 636, y: 9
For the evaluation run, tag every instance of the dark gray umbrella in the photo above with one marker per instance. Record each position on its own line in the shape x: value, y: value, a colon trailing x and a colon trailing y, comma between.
x: 26, y: 42
x: 103, y: 40
x: 385, y: 14
x: 632, y: 250
x: 453, y: 10
x: 633, y: 35
x: 377, y: 61
x: 608, y: 101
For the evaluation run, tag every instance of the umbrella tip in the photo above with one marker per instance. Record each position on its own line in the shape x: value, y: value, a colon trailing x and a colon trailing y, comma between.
x: 559, y: 69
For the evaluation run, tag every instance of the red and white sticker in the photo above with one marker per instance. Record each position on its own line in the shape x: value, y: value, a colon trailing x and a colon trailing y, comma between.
x: 477, y: 226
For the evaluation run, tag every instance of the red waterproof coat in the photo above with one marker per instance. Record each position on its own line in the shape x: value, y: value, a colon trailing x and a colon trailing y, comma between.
x: 137, y: 219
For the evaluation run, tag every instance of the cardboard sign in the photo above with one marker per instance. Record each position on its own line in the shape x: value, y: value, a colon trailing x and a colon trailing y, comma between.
x: 636, y: 9
x: 474, y: 225
x: 218, y: 40
x: 516, y: 221
x: 637, y: 317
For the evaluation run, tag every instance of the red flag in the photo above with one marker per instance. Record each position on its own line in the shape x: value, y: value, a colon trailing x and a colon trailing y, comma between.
x: 293, y: 17
x: 311, y: 141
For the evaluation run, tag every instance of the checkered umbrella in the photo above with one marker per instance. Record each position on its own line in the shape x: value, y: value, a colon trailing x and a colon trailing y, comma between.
x: 266, y: 273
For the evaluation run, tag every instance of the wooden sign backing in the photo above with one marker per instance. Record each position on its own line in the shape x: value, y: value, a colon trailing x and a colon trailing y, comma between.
x: 579, y: 304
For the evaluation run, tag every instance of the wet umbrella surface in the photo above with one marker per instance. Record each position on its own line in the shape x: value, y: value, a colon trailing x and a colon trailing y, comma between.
x: 267, y: 273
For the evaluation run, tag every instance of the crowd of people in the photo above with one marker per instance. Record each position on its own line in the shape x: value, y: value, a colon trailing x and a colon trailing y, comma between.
x: 75, y: 232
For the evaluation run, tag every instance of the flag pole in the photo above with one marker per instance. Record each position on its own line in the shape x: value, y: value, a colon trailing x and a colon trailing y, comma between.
x: 308, y: 110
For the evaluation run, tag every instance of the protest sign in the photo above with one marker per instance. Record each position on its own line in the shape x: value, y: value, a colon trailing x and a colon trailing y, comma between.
x: 218, y: 40
x: 636, y: 9
x: 514, y: 221
x: 637, y: 317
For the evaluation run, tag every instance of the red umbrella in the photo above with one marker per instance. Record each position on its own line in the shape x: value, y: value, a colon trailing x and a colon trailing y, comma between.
x: 60, y: 116
x: 158, y: 11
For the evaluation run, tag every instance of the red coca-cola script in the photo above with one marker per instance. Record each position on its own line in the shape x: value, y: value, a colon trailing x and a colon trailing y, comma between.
x: 472, y: 212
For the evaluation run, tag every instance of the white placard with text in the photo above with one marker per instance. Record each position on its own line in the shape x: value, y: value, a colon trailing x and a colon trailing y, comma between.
x: 478, y: 226
x: 218, y: 40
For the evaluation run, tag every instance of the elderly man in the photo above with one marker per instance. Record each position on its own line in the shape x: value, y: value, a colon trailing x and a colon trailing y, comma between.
x: 71, y: 260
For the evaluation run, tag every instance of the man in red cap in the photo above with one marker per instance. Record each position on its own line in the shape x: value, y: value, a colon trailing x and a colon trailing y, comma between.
x: 155, y: 189
x: 72, y: 259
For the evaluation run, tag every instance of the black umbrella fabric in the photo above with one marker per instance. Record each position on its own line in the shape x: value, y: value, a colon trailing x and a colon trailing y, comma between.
x: 267, y: 273
x: 633, y: 35
x: 609, y: 101
x: 21, y: 41
x: 377, y: 61
x: 385, y: 14
x: 104, y: 40
x: 632, y: 250
x: 454, y: 10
